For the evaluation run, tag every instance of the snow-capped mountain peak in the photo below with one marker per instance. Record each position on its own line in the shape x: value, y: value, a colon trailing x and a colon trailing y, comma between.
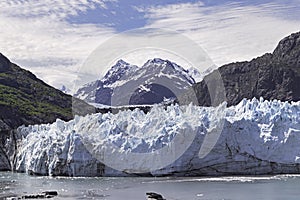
x: 117, y: 71
x: 156, y: 61
x: 156, y: 80
x: 168, y: 67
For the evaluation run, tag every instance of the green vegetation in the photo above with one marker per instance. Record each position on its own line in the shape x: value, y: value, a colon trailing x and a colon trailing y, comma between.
x: 28, y: 100
x: 27, y: 104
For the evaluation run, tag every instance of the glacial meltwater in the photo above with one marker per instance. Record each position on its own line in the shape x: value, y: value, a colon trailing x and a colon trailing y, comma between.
x: 209, y: 188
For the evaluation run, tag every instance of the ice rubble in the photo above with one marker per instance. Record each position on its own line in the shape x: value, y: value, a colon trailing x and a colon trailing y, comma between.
x: 257, y: 137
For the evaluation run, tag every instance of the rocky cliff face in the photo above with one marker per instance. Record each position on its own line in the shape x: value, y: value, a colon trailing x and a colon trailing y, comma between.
x: 271, y: 76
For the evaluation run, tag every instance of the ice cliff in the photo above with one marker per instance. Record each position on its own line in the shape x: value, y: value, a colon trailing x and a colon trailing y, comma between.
x: 256, y: 137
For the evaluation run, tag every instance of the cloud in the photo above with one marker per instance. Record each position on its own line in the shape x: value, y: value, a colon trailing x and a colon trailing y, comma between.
x: 35, y: 35
x: 40, y: 36
x: 228, y: 32
x: 57, y: 9
x: 47, y: 42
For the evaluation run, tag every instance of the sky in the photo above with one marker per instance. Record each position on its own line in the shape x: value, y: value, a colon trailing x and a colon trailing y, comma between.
x: 56, y: 38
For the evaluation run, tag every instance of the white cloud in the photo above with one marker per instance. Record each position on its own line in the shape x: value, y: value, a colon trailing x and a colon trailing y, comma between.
x: 229, y: 32
x: 57, y: 76
x: 42, y: 40
x: 138, y: 46
x: 53, y: 8
x: 35, y: 35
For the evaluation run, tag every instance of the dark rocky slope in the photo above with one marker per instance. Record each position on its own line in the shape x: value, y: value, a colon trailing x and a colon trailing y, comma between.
x: 271, y: 76
x: 25, y: 99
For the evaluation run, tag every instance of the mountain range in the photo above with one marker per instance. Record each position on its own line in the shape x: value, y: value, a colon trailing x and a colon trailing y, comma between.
x: 24, y: 99
x: 124, y: 84
x: 271, y: 76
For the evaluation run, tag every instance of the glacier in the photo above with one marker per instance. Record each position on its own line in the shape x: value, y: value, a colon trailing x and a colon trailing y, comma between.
x: 256, y: 137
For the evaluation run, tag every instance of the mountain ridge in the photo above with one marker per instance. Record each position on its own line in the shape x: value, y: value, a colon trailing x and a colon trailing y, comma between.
x: 148, y: 80
x: 25, y: 99
x: 271, y: 76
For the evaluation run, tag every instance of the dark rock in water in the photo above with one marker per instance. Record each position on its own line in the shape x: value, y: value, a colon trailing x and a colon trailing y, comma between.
x: 50, y: 193
x: 271, y: 76
x: 154, y: 196
x: 43, y: 195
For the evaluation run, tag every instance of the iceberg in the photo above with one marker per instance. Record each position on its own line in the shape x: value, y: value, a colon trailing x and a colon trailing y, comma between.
x: 253, y: 137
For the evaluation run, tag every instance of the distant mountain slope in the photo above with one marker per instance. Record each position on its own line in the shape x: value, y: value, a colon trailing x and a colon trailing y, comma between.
x: 126, y: 84
x: 100, y: 91
x: 24, y: 99
x: 271, y: 76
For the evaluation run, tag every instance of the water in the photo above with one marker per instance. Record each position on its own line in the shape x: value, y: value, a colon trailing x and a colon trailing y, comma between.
x: 221, y: 188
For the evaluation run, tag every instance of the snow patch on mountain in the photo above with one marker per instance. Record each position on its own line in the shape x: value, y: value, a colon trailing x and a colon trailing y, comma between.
x: 116, y: 72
